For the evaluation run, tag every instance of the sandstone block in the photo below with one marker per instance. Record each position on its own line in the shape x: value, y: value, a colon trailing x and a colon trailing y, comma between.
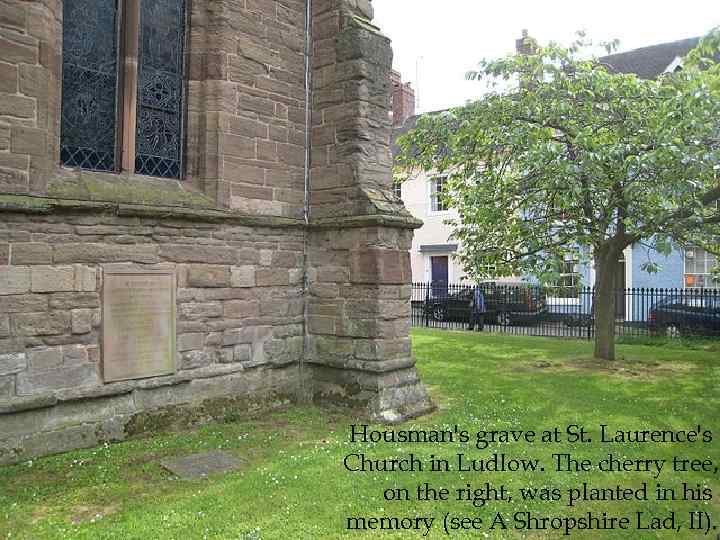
x: 201, y: 310
x: 214, y: 339
x: 226, y: 355
x: 53, y: 278
x: 45, y: 358
x: 285, y: 259
x: 365, y: 267
x: 240, y: 309
x: 242, y: 353
x: 93, y: 353
x: 253, y: 334
x: 74, y: 355
x: 8, y: 78
x: 18, y: 53
x: 7, y: 387
x: 12, y: 363
x: 14, y: 280
x: 4, y: 326
x: 192, y: 253
x: 73, y: 300
x: 105, y: 253
x: 266, y: 257
x: 321, y: 325
x: 21, y: 107
x: 42, y: 324
x: 284, y: 351
x: 85, y: 278
x: 208, y: 275
x: 242, y: 276
x: 31, y: 253
x: 235, y: 145
x: 13, y: 181
x: 26, y: 140
x: 296, y: 276
x: 196, y: 359
x: 82, y: 321
x: 277, y: 307
x: 269, y: 277
x: 30, y: 383
x: 189, y: 342
x: 4, y: 140
x: 8, y: 346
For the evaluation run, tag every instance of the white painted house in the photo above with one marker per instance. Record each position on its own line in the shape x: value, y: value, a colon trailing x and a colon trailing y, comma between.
x: 433, y: 248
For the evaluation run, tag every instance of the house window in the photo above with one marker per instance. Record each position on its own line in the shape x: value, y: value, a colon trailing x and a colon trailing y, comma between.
x: 698, y: 265
x: 436, y: 194
x: 569, y: 281
x: 122, y: 106
x: 397, y: 189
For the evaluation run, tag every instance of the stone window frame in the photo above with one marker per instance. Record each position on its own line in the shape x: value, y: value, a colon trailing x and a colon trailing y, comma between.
x: 437, y: 205
x: 128, y: 34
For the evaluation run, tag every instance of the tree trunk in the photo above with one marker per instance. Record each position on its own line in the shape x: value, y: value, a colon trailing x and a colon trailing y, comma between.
x: 605, y: 305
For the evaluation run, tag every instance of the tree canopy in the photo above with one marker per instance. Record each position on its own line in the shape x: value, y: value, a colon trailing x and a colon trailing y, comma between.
x: 563, y: 152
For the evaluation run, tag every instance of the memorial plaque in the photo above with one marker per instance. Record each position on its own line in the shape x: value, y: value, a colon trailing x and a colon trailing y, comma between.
x: 138, y: 324
x: 202, y: 465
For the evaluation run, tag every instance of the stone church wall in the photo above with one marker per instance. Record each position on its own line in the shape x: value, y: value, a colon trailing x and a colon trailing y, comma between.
x: 290, y: 284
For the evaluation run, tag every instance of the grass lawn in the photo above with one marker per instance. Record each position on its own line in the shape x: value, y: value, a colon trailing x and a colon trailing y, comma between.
x: 293, y: 484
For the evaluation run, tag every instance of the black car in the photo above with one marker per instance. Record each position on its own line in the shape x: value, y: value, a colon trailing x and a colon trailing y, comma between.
x: 505, y: 304
x: 686, y: 316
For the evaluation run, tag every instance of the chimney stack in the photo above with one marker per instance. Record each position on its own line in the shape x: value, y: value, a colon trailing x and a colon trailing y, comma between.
x: 525, y: 45
x: 403, y: 100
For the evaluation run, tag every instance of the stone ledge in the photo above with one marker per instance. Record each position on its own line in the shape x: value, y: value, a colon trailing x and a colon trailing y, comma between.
x: 76, y: 184
x: 51, y: 399
x: 365, y: 366
x: 44, y: 205
x: 359, y: 222
x: 74, y: 426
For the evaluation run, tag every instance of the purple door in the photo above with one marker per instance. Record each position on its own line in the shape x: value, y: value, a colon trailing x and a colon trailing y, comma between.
x: 439, y: 275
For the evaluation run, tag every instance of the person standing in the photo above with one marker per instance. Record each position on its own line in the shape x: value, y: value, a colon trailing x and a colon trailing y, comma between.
x: 477, y: 315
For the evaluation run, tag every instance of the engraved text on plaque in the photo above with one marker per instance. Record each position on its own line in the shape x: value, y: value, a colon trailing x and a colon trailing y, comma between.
x: 138, y: 324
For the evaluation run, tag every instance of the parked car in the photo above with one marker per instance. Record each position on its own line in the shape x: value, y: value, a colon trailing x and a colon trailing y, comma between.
x: 686, y: 315
x: 505, y: 304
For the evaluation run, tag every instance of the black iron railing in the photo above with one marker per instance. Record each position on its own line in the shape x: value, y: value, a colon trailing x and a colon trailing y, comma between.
x: 565, y: 312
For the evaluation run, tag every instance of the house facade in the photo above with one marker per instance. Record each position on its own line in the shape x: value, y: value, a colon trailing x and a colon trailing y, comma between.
x: 432, y: 255
x: 196, y: 217
x: 433, y: 249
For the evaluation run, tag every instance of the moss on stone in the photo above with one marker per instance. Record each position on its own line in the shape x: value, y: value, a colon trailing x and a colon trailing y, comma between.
x: 367, y: 25
x: 180, y: 417
x: 127, y: 189
x: 20, y: 202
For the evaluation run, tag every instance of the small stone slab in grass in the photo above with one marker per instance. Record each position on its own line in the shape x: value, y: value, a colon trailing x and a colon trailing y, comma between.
x: 198, y: 466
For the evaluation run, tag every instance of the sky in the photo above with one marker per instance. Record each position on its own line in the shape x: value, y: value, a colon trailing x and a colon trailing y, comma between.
x: 436, y: 42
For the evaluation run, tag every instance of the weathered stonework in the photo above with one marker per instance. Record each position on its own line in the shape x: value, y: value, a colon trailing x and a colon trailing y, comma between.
x: 287, y: 290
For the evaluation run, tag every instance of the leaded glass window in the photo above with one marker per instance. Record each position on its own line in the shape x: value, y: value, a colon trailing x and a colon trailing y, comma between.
x: 89, y: 94
x: 160, y: 88
x: 145, y: 118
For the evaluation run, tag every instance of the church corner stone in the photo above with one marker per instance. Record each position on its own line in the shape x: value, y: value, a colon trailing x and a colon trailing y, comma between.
x: 360, y: 236
x: 268, y: 308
